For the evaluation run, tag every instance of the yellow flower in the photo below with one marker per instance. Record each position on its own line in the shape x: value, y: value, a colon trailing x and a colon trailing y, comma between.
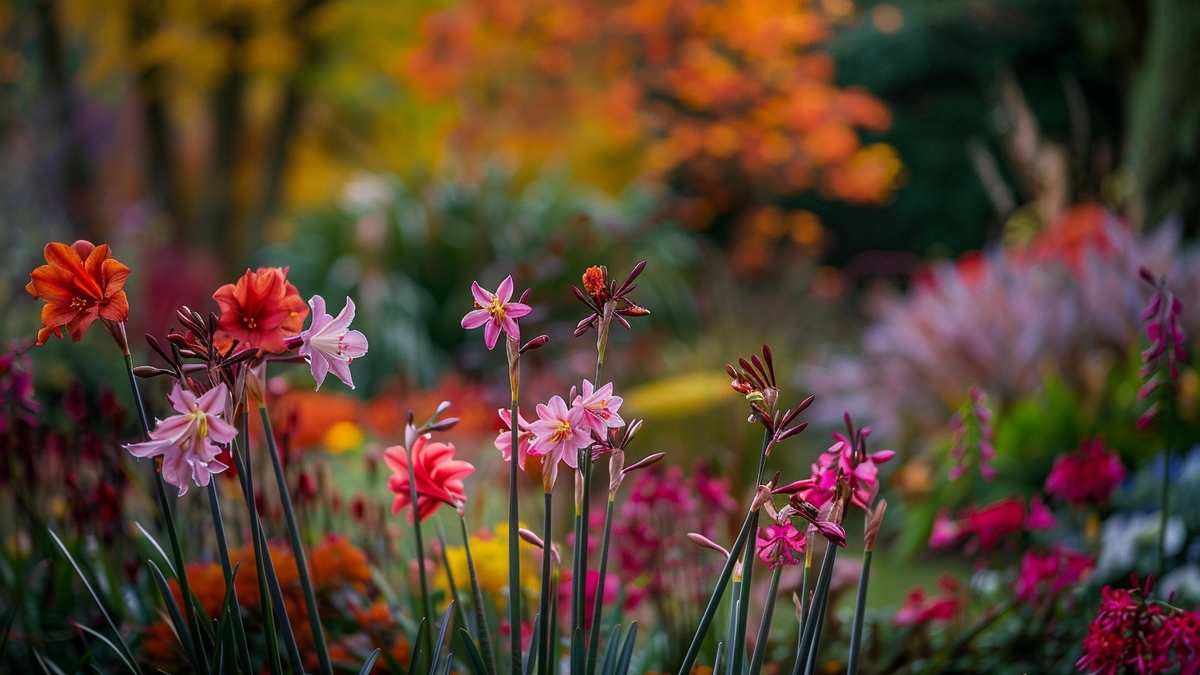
x: 343, y: 436
x: 489, y: 550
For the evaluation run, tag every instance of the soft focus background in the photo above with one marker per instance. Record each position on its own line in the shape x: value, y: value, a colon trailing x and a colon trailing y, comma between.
x: 904, y: 199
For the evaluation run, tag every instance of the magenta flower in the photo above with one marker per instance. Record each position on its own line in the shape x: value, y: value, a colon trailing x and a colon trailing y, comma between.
x: 1132, y: 634
x: 779, y: 544
x: 1161, y: 318
x: 329, y: 344
x: 1046, y: 574
x: 1089, y: 476
x: 559, y: 432
x: 495, y: 312
x: 188, y: 441
x: 599, y: 409
x: 850, y: 455
x: 503, y: 441
x: 973, y: 422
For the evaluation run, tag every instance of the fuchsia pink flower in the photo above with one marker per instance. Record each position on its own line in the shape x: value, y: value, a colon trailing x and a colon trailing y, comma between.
x: 848, y: 453
x: 779, y: 544
x: 1045, y: 574
x: 559, y: 432
x: 1161, y: 317
x: 973, y: 422
x: 329, y: 344
x: 188, y: 442
x: 495, y: 313
x: 439, y: 476
x: 503, y: 440
x: 1134, y: 635
x: 599, y: 408
x: 1086, y: 477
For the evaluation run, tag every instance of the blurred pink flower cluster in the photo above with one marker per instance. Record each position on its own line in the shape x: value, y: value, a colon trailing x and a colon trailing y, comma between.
x: 1133, y: 634
x: 987, y: 528
x: 1087, y: 477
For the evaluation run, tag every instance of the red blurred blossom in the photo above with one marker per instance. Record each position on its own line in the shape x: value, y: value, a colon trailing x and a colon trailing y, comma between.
x: 262, y: 310
x: 1132, y: 634
x: 612, y: 586
x: 778, y: 544
x: 918, y: 608
x: 984, y: 529
x: 439, y: 476
x: 80, y: 283
x: 1045, y: 574
x: 1086, y: 477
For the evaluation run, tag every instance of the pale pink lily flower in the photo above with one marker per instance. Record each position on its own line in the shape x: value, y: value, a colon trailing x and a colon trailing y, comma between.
x: 503, y: 440
x: 599, y: 409
x: 559, y: 432
x: 188, y: 442
x: 495, y: 313
x: 329, y: 344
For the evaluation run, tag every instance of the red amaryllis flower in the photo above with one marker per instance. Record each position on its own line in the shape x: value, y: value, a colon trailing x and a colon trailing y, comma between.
x: 1086, y: 477
x: 439, y: 476
x: 262, y: 309
x: 81, y: 283
x: 920, y: 609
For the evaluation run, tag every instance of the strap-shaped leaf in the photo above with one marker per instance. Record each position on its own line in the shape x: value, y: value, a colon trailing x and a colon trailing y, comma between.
x: 440, y: 645
x: 627, y: 650
x: 48, y: 667
x: 158, y: 547
x: 531, y: 658
x: 610, y: 651
x: 181, y: 629
x: 370, y: 663
x: 473, y: 655
x: 124, y: 651
x: 89, y: 631
x: 418, y: 648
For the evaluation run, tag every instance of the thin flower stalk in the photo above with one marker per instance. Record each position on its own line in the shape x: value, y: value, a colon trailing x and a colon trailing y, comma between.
x: 710, y: 610
x: 764, y: 629
x: 455, y: 600
x: 874, y: 519
x: 239, y: 628
x: 164, y: 504
x: 543, y: 646
x: 310, y: 599
x: 816, y: 612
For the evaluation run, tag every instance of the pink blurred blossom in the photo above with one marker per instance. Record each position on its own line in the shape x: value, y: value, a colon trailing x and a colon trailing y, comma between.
x: 1087, y: 477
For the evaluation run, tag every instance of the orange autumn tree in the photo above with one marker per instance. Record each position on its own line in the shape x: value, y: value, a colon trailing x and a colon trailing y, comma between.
x: 726, y: 100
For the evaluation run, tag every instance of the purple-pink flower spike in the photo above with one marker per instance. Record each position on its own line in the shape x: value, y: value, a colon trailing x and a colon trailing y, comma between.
x: 495, y: 313
x: 1161, y: 318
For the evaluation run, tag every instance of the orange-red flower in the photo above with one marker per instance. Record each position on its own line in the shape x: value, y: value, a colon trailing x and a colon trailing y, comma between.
x: 262, y: 309
x: 81, y: 283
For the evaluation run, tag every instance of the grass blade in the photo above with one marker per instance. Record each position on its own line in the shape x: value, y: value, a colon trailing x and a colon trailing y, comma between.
x: 473, y: 655
x: 48, y: 667
x: 610, y: 651
x: 230, y: 606
x: 7, y: 630
x: 181, y: 628
x: 370, y: 662
x: 481, y: 624
x: 531, y: 657
x: 440, y: 645
x: 79, y: 664
x: 124, y: 652
x: 764, y: 629
x: 627, y: 651
x: 154, y: 542
x: 418, y: 646
x: 127, y: 661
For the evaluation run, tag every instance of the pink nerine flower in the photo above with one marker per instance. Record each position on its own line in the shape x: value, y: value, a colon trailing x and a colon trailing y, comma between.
x: 848, y: 453
x: 439, y: 476
x: 599, y: 409
x: 559, y: 433
x: 779, y: 544
x: 1133, y: 635
x: 188, y: 441
x: 1086, y: 477
x: 503, y: 441
x: 495, y: 312
x: 329, y: 344
x: 1046, y: 574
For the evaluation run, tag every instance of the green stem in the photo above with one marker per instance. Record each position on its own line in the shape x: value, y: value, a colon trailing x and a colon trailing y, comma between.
x: 737, y: 650
x: 426, y: 601
x: 735, y: 605
x: 285, y: 498
x: 239, y: 628
x: 815, y: 614
x: 261, y: 554
x: 689, y: 659
x: 764, y: 629
x: 598, y: 602
x: 485, y: 635
x: 514, y: 542
x: 860, y: 608
x: 544, y: 604
x: 164, y: 505
x: 1164, y: 506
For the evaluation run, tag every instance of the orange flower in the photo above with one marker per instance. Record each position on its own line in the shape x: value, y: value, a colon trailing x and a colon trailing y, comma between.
x: 262, y: 310
x: 81, y: 283
x: 207, y: 581
x: 338, y: 562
